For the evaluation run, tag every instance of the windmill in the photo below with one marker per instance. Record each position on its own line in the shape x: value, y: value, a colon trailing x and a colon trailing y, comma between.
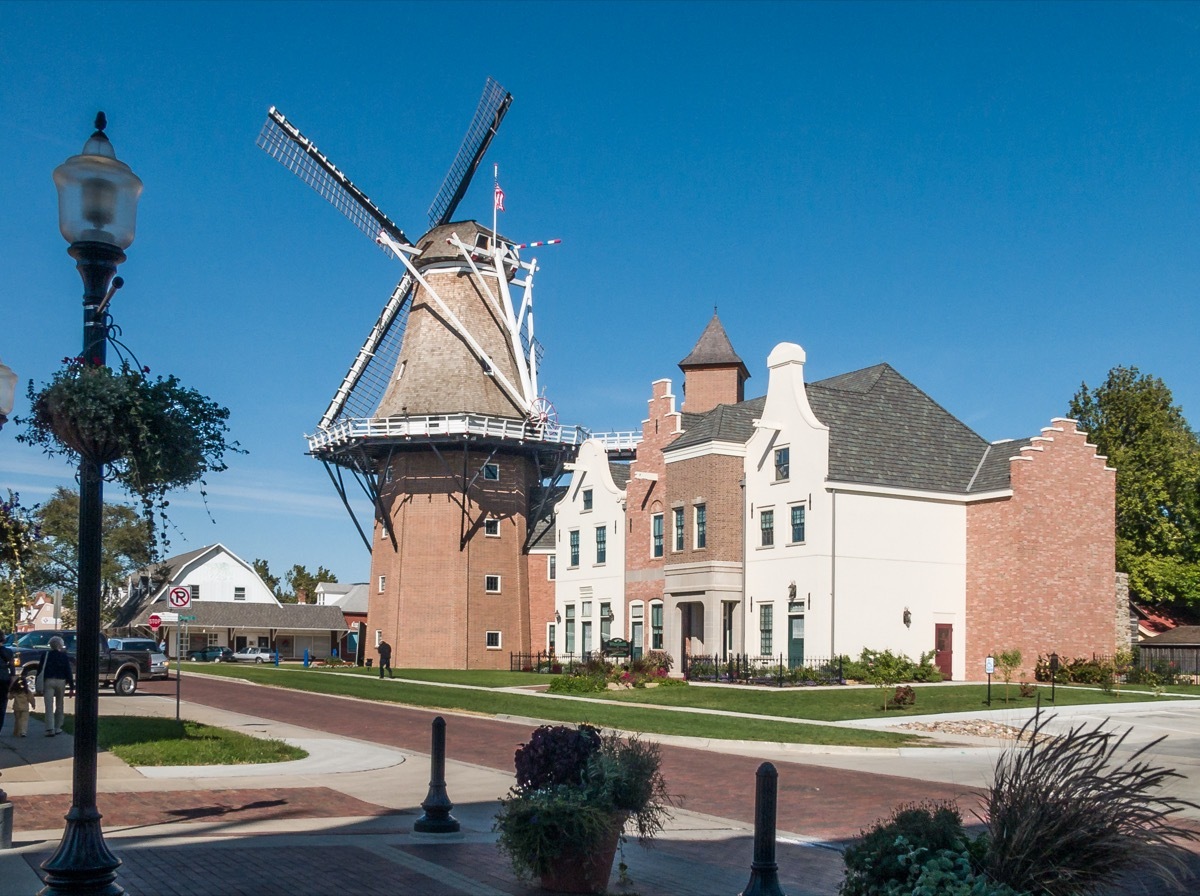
x: 441, y: 408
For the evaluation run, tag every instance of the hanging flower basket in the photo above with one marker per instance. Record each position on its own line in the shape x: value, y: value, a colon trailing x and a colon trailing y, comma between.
x: 153, y: 436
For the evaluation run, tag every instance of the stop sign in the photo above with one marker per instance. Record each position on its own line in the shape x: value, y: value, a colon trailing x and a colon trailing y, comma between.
x: 155, y: 621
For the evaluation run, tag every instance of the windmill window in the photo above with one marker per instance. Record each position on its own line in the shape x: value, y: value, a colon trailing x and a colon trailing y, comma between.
x: 493, y: 640
x: 491, y: 584
x: 382, y: 584
x: 387, y: 473
x: 491, y: 472
x: 491, y: 527
x: 400, y: 369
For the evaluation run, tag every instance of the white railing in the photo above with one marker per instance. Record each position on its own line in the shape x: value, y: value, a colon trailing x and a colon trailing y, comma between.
x: 354, y: 429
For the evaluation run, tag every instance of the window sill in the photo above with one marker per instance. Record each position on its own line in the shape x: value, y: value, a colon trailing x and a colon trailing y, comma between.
x: 765, y: 547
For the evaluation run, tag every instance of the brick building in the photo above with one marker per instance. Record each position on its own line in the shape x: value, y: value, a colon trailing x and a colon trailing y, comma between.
x: 855, y: 512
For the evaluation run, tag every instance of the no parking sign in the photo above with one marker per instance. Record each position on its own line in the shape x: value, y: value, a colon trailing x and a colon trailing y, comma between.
x: 180, y: 598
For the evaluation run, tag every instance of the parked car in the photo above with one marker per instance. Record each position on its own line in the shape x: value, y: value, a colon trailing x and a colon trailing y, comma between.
x: 119, y: 668
x: 211, y: 654
x: 158, y: 660
x: 254, y: 655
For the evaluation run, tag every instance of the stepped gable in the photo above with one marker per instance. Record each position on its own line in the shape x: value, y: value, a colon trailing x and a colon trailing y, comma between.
x: 885, y: 431
x: 713, y: 349
x: 437, y: 372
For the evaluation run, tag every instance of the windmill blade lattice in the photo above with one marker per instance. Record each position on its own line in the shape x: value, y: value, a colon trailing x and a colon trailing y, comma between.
x: 284, y: 143
x: 488, y: 115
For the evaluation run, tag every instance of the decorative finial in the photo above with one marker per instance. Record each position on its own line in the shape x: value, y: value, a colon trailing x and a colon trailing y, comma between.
x: 101, y: 121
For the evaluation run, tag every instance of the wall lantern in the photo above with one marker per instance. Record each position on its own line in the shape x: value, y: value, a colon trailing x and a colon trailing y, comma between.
x: 907, y: 618
x: 557, y: 617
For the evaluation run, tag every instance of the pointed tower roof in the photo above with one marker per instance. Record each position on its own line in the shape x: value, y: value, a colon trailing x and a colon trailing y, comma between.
x: 713, y: 349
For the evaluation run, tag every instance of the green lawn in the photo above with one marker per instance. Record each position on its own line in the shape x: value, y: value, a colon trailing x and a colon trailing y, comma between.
x: 604, y: 713
x: 621, y: 709
x: 142, y: 740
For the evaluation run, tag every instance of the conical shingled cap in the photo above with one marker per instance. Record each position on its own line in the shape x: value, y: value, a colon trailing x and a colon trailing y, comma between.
x: 713, y: 349
x: 437, y: 372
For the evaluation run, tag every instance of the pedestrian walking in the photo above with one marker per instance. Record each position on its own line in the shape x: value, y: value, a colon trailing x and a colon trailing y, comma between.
x: 6, y: 671
x: 21, y: 694
x: 56, y: 679
x: 385, y: 658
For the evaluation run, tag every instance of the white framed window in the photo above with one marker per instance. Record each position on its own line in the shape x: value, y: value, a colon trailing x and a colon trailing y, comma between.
x: 383, y: 532
x: 656, y: 625
x: 601, y: 544
x: 606, y: 618
x: 382, y: 584
x: 766, y: 629
x: 783, y: 463
x: 585, y: 609
x: 766, y: 526
x: 797, y: 511
x: 701, y: 515
x: 491, y: 584
x: 552, y: 567
x: 569, y: 616
x: 677, y: 519
x: 656, y: 535
x: 378, y: 636
x: 239, y: 593
x: 587, y: 499
x: 195, y: 589
x: 492, y: 640
x: 491, y: 527
x: 212, y: 639
x: 491, y: 472
x: 574, y: 539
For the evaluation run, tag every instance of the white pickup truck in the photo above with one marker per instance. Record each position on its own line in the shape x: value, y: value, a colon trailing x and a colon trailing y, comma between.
x: 254, y: 655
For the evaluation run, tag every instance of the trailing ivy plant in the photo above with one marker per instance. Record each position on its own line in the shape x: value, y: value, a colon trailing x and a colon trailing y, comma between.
x: 151, y: 435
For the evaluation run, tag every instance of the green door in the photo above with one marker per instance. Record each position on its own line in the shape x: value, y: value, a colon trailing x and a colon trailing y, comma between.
x: 795, y: 641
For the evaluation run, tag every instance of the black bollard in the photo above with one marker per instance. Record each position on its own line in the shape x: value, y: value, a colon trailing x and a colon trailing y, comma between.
x: 437, y: 818
x: 764, y: 870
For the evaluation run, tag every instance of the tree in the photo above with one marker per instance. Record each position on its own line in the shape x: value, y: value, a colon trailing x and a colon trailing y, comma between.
x: 299, y: 580
x: 1009, y: 662
x: 125, y: 541
x: 271, y: 581
x: 1134, y: 422
x: 19, y: 538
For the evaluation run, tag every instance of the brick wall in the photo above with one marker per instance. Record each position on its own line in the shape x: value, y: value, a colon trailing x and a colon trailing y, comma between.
x: 1041, y: 564
x: 706, y: 387
x: 712, y: 480
x: 645, y: 498
x: 434, y: 609
x: 541, y: 599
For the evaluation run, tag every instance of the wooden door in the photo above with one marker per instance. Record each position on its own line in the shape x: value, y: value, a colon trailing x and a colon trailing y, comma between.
x: 943, y: 649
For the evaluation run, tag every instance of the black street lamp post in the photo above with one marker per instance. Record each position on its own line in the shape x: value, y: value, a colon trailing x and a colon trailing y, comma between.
x: 97, y: 211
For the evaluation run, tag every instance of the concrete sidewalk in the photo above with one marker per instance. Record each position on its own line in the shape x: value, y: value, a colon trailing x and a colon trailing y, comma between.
x: 339, y: 820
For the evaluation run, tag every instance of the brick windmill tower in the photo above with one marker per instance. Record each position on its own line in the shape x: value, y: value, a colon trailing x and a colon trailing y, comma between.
x: 440, y: 422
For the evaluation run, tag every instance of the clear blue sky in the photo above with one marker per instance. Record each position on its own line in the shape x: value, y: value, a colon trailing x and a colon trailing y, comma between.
x: 1000, y: 200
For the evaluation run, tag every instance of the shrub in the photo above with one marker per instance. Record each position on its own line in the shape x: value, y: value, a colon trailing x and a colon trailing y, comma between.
x: 578, y: 684
x: 877, y: 860
x: 904, y: 696
x: 1065, y: 815
x: 556, y: 754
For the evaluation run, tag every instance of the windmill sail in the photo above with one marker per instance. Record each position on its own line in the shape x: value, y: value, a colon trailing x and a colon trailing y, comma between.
x: 488, y: 115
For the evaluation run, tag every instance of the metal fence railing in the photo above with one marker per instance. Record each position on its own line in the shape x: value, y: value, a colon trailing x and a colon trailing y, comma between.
x: 551, y: 663
x: 763, y: 669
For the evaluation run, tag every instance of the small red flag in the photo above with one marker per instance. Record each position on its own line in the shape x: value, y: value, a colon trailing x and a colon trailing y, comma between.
x: 499, y: 198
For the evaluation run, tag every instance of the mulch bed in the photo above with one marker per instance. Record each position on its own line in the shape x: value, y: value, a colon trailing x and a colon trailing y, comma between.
x: 126, y: 809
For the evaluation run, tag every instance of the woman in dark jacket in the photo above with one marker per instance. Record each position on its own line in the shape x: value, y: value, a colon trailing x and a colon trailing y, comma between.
x: 56, y: 679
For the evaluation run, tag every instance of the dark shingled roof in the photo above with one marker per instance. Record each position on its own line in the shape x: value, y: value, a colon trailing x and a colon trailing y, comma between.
x: 619, y: 471
x: 543, y: 527
x: 1182, y: 636
x: 714, y: 349
x: 290, y: 617
x: 993, y: 472
x: 883, y: 431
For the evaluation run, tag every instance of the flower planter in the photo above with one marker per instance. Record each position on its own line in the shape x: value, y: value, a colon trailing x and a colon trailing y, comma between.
x: 585, y: 872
